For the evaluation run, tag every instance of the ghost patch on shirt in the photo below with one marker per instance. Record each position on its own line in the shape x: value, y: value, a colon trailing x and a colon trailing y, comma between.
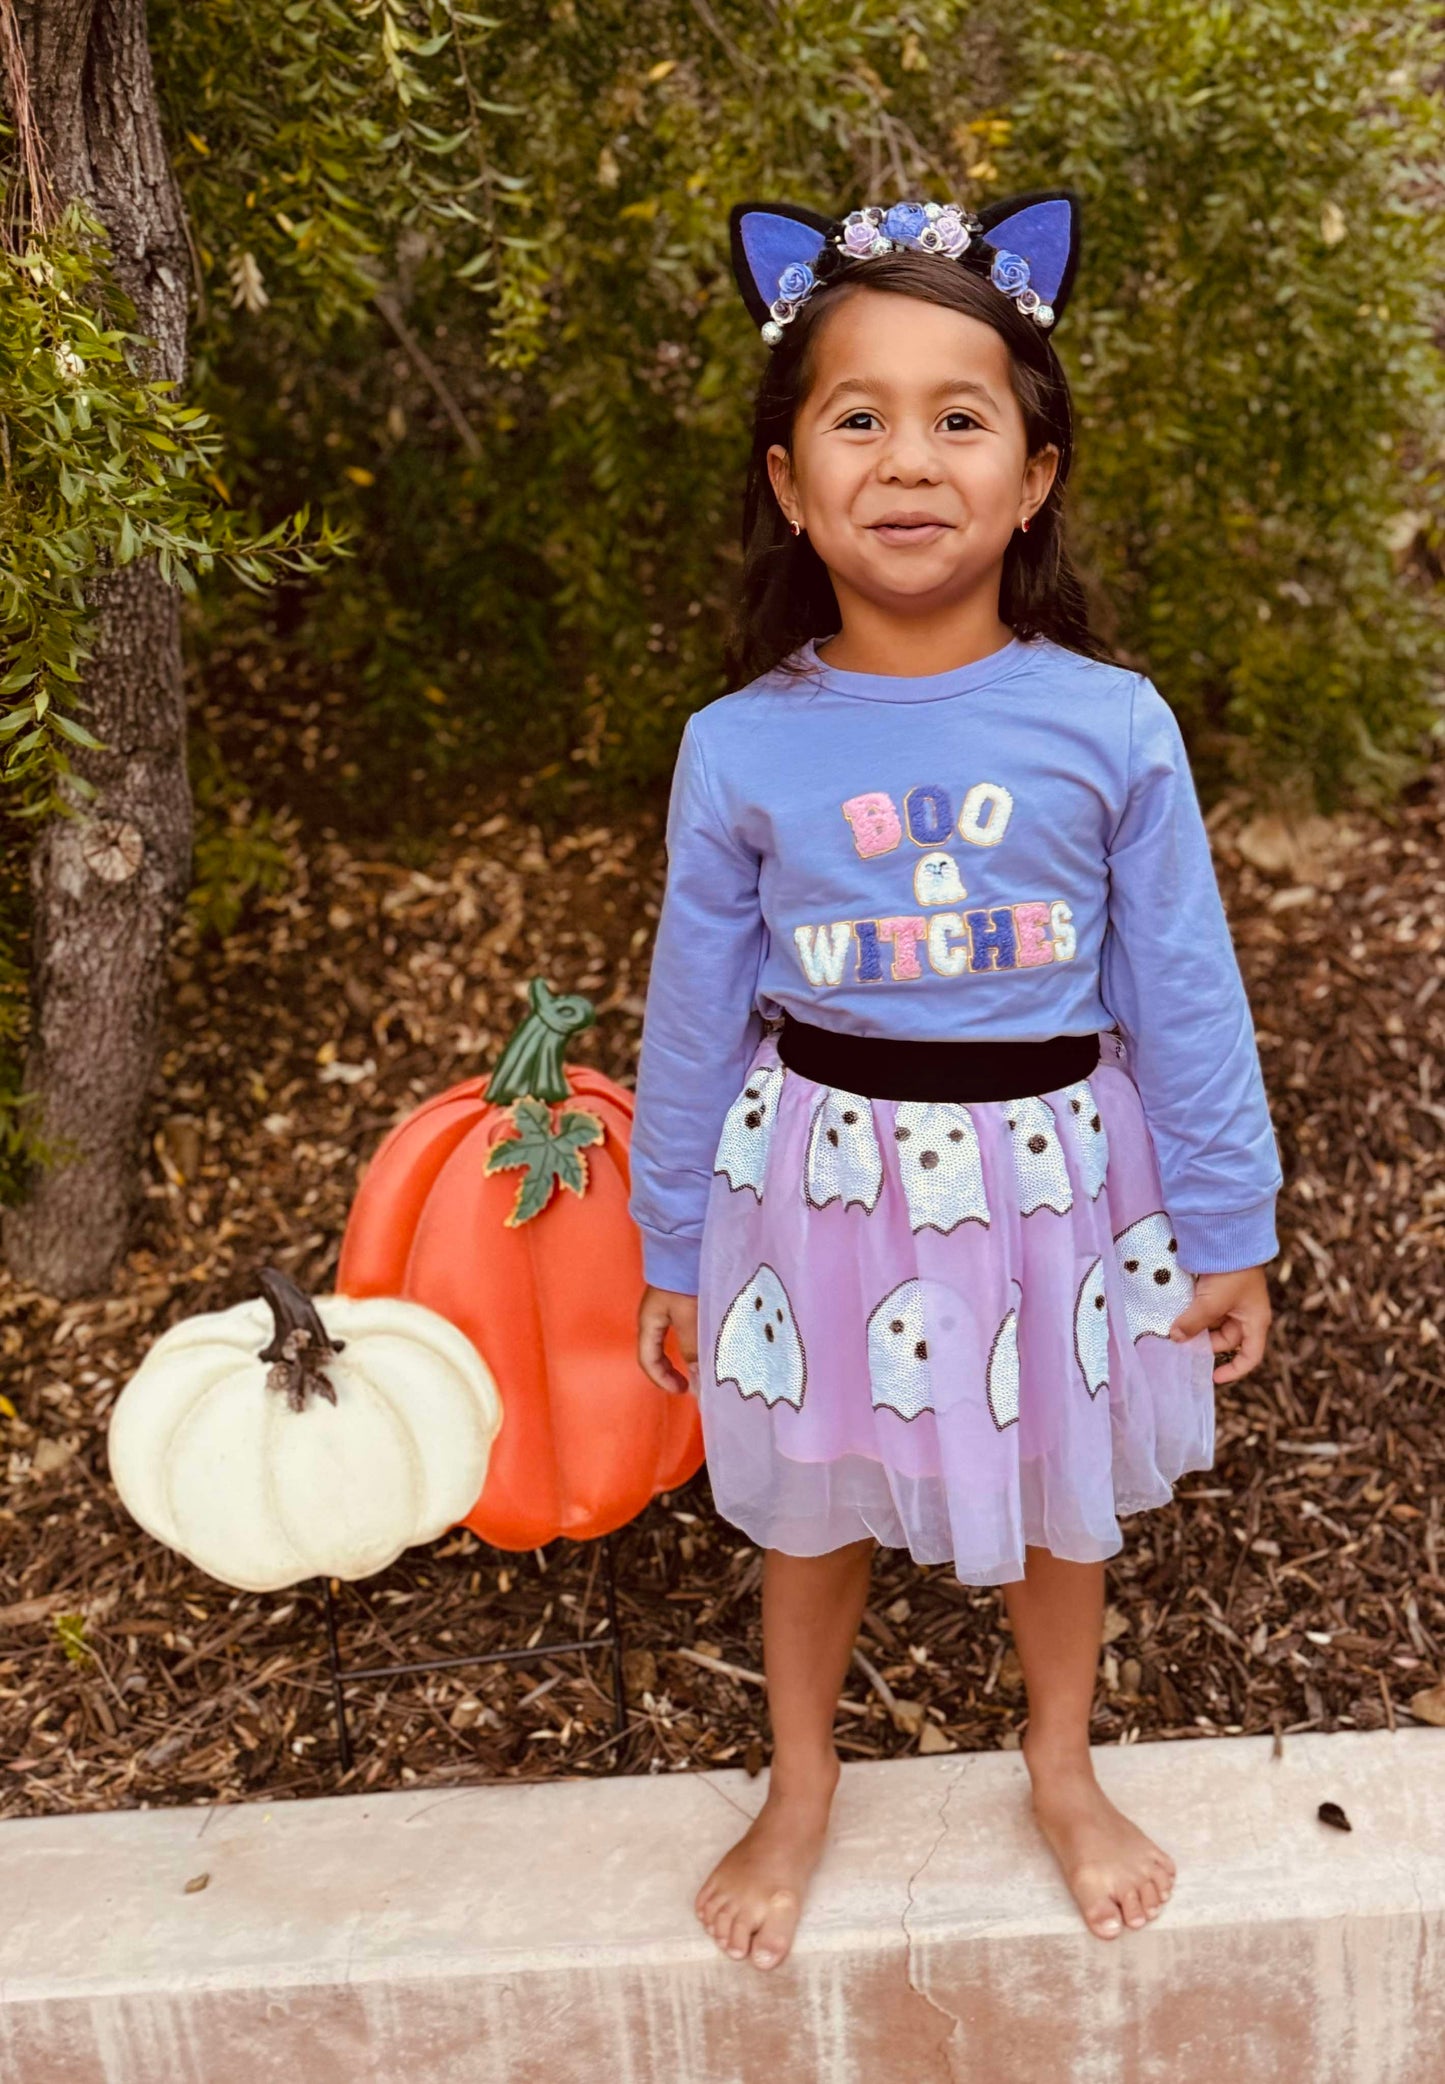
x: 843, y: 1159
x: 1156, y: 1287
x: 1001, y: 1379
x: 1091, y: 1329
x: 1039, y: 1168
x: 936, y: 880
x: 758, y: 1345
x: 938, y: 1158
x: 747, y: 1130
x: 898, y: 1368
x: 1091, y: 1138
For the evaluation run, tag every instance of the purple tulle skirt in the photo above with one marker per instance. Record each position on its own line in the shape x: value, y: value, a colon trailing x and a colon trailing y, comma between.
x: 944, y: 1325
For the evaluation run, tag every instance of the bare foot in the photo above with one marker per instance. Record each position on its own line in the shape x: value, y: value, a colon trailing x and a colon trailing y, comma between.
x: 1113, y: 1870
x: 752, y: 1900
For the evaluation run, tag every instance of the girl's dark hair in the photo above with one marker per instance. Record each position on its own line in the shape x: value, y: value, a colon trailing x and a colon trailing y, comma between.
x: 786, y: 596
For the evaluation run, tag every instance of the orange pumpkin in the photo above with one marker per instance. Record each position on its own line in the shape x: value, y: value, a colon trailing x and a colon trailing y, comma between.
x: 544, y: 1283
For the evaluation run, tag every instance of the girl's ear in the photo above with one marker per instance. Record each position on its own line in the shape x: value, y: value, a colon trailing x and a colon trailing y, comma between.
x: 766, y: 238
x: 1043, y: 225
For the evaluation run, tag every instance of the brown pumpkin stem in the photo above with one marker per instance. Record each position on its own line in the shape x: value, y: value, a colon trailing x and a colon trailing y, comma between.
x: 301, y: 1345
x: 530, y: 1066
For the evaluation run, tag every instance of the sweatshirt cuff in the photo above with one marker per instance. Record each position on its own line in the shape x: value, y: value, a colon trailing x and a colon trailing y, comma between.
x: 671, y: 1262
x: 1225, y: 1244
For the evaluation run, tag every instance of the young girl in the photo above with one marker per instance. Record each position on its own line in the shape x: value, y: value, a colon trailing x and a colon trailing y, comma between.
x: 952, y: 1158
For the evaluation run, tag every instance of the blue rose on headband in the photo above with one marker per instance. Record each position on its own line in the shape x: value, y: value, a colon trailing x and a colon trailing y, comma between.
x: 1010, y: 273
x: 795, y: 281
x: 904, y: 222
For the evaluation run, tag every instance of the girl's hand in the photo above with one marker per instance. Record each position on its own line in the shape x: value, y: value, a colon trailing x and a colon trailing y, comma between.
x: 659, y: 1308
x: 1234, y: 1309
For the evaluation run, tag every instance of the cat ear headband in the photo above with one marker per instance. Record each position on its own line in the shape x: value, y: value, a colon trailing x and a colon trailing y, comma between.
x: 1027, y: 246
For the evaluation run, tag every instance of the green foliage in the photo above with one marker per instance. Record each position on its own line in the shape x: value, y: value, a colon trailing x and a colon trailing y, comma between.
x: 1262, y: 400
x: 240, y: 851
x: 102, y: 466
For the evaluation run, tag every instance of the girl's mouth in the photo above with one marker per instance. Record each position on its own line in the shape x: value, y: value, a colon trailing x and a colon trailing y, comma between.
x: 909, y: 532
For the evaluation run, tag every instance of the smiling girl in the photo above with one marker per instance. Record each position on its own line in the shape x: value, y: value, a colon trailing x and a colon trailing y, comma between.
x: 952, y: 1157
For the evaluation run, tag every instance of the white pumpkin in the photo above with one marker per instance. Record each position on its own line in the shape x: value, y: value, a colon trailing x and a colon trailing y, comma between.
x: 285, y: 1439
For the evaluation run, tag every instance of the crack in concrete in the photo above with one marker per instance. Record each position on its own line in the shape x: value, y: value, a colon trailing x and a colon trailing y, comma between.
x: 952, y: 2017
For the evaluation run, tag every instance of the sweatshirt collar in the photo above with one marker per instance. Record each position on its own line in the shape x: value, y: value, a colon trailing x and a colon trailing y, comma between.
x: 924, y: 687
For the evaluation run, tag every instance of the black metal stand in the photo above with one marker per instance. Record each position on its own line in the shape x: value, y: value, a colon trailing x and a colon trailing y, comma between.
x: 612, y: 1640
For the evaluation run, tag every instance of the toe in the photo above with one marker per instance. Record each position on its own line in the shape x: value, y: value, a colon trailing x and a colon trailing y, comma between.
x: 1150, y: 1898
x: 775, y: 1934
x: 1103, y: 1918
x: 1132, y: 1907
x: 739, y: 1934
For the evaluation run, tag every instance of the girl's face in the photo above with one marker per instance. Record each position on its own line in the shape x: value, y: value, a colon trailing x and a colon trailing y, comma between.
x: 909, y: 468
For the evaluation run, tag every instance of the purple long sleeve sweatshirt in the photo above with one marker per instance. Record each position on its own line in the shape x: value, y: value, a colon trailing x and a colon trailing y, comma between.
x: 1009, y: 850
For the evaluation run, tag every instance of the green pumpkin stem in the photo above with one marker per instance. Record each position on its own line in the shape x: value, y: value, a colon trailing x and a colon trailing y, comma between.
x: 530, y: 1066
x: 300, y: 1346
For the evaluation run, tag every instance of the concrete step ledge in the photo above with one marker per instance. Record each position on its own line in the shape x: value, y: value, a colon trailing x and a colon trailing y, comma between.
x: 544, y: 1934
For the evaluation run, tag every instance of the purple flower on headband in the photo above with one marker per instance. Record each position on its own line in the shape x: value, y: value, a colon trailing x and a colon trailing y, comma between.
x: 952, y: 232
x: 1010, y: 273
x: 795, y: 281
x: 904, y: 222
x: 858, y: 235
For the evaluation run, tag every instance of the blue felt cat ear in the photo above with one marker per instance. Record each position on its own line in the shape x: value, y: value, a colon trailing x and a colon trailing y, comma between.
x: 1043, y: 226
x: 768, y: 238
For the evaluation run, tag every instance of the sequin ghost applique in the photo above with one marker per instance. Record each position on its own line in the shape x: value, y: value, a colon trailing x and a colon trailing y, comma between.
x: 938, y: 1157
x: 1090, y: 1136
x: 898, y: 1352
x: 747, y: 1131
x: 758, y: 1344
x: 1091, y: 1329
x: 1039, y: 1168
x: 1002, y: 1377
x: 1156, y: 1286
x: 843, y: 1160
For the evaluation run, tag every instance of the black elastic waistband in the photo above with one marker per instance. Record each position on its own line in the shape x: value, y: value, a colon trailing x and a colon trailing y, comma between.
x: 882, y: 1068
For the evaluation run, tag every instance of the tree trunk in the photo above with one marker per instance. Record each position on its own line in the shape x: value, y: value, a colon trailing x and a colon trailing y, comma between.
x: 107, y: 883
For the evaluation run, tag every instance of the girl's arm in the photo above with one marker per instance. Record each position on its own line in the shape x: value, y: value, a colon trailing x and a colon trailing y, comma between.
x: 1170, y: 977
x: 700, y: 1027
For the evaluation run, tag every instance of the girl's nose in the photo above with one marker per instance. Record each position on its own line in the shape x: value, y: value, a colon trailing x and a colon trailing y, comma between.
x: 910, y: 460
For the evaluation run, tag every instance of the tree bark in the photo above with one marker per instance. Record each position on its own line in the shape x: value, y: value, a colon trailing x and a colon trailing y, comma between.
x: 107, y: 883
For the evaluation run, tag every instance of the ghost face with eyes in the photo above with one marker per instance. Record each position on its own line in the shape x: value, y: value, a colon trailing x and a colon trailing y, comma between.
x: 747, y: 1130
x: 758, y: 1346
x: 939, y: 1160
x: 843, y: 1162
x: 1091, y: 1138
x: 1156, y: 1287
x: 1091, y: 1329
x: 1039, y: 1168
x: 898, y: 1357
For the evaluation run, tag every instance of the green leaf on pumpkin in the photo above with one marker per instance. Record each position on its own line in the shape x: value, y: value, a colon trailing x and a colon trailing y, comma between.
x: 551, y: 1153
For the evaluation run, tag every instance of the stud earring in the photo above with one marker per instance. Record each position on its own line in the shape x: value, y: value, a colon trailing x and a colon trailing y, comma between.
x: 1024, y: 524
x: 796, y: 526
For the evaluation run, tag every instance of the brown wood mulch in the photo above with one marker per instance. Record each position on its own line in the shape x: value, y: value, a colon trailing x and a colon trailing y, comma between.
x: 1296, y: 1585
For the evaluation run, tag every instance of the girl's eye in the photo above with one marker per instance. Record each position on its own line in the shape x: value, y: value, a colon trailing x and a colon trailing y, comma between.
x: 861, y: 414
x: 961, y: 415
